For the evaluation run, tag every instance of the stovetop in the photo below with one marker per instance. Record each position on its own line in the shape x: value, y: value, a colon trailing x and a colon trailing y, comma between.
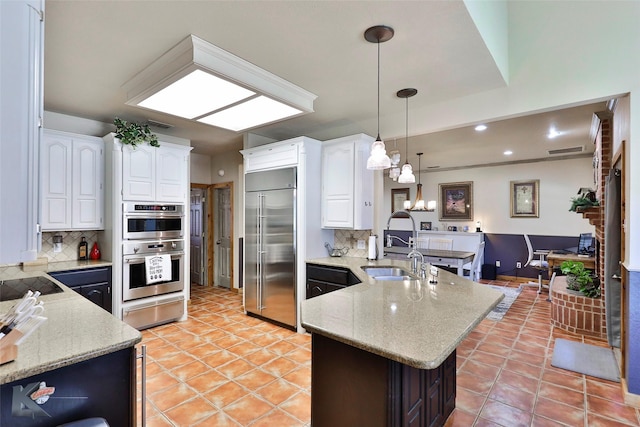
x: 16, y: 288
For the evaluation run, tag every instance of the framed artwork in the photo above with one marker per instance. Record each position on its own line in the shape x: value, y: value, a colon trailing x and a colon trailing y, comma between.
x: 456, y: 201
x: 524, y: 198
x: 425, y: 225
x: 398, y: 196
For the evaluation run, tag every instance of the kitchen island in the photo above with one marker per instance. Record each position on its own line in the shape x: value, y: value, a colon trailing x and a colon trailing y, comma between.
x: 79, y: 363
x: 383, y: 352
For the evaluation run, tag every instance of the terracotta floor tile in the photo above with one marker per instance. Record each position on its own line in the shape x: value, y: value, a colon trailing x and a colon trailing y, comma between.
x: 513, y: 397
x: 158, y: 421
x: 559, y: 412
x: 594, y: 420
x: 207, y: 381
x: 605, y: 390
x: 280, y: 366
x: 473, y: 383
x: 300, y: 377
x: 480, y: 369
x: 493, y: 348
x: 568, y: 381
x: 191, y: 412
x: 523, y: 368
x: 278, y: 418
x: 220, y: 358
x: 226, y: 394
x: 243, y: 349
x: 561, y: 394
x: 459, y: 418
x: 278, y: 391
x: 469, y: 401
x: 611, y: 409
x: 539, y: 421
x: 300, y: 355
x: 248, y: 409
x: 488, y: 358
x: 281, y: 347
x: 219, y: 419
x: 235, y: 368
x: 255, y: 379
x: 204, y: 350
x: 261, y: 357
x: 190, y: 370
x: 303, y: 340
x: 483, y: 422
x: 518, y: 381
x: 299, y: 406
x: 506, y: 415
x: 160, y: 381
x: 531, y: 359
x: 172, y: 396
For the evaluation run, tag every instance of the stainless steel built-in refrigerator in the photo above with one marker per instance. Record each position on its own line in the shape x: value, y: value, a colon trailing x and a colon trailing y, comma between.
x: 270, y: 252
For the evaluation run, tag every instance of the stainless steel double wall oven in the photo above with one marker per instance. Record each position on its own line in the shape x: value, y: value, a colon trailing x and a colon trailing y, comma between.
x: 152, y: 229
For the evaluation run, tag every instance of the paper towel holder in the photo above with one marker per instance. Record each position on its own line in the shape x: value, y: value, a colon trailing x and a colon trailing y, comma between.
x: 372, y: 253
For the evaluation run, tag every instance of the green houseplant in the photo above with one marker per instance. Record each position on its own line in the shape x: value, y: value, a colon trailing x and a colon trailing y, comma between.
x: 131, y: 133
x: 580, y: 279
x: 583, y: 201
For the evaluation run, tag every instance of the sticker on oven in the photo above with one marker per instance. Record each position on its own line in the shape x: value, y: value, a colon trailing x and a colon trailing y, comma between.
x: 158, y: 268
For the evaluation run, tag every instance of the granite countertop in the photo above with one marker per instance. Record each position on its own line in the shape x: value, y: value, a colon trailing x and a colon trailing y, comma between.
x: 20, y: 271
x: 75, y: 330
x: 429, y: 252
x: 412, y: 322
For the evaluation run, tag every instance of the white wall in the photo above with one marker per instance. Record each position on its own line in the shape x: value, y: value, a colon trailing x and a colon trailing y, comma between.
x: 559, y: 182
x: 200, y: 168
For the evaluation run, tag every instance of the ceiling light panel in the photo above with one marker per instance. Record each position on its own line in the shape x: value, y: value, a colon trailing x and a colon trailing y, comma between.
x: 246, y: 115
x: 196, y: 94
x: 198, y: 81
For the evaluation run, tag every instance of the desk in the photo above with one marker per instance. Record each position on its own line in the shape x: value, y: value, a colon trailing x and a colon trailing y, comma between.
x: 434, y: 256
x: 555, y: 259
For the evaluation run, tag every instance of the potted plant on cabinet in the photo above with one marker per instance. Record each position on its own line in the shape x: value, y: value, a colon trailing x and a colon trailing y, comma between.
x: 580, y: 279
x: 131, y: 133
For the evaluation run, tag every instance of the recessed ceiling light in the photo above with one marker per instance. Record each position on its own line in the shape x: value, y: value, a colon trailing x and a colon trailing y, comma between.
x: 508, y: 153
x: 480, y: 128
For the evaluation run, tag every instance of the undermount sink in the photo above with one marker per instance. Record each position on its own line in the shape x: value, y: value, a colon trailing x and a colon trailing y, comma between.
x: 388, y: 273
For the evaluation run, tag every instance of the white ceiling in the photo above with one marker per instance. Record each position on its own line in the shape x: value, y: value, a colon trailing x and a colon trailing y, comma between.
x: 93, y: 47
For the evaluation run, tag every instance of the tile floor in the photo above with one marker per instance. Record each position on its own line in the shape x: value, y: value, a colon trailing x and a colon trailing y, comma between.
x: 223, y: 368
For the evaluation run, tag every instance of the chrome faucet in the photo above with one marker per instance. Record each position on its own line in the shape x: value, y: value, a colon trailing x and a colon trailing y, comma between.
x: 414, y: 254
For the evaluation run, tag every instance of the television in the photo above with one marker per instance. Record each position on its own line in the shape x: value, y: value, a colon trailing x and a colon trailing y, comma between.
x: 585, y: 244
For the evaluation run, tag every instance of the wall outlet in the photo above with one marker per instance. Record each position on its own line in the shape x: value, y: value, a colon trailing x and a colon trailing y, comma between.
x: 361, y: 244
x: 518, y: 264
x: 498, y: 263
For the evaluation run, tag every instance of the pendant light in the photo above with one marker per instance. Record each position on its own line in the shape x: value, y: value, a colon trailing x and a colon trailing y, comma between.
x: 394, y: 171
x: 406, y: 176
x: 419, y: 203
x: 378, y: 158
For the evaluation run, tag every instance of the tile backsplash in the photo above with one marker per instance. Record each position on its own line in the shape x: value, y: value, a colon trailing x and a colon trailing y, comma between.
x: 70, y: 241
x: 349, y: 239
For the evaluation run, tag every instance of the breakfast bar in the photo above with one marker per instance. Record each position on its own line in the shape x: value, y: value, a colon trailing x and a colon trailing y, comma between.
x: 383, y: 351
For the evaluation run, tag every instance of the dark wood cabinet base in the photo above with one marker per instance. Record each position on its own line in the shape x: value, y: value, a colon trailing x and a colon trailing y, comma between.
x: 352, y: 387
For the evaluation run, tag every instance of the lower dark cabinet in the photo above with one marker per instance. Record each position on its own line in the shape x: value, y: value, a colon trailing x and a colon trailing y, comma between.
x: 350, y: 387
x: 92, y: 283
x: 322, y: 279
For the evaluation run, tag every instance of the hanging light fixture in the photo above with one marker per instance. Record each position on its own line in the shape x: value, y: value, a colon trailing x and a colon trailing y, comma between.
x: 406, y: 176
x: 394, y: 171
x: 419, y: 203
x: 378, y: 158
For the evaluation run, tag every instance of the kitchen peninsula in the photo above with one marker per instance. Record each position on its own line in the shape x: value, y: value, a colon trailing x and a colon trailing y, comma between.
x: 383, y: 352
x: 80, y: 363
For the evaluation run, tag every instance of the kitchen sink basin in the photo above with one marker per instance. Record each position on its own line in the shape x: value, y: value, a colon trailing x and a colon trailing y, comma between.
x: 388, y: 273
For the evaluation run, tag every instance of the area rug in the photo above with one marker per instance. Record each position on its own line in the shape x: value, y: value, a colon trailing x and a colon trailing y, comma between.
x: 585, y: 359
x: 510, y: 295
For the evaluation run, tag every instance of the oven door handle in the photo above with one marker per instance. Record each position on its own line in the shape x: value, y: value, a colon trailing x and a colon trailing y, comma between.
x: 131, y: 259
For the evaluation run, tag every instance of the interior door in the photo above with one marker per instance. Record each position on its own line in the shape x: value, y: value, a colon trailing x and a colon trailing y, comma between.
x: 222, y: 253
x: 196, y: 237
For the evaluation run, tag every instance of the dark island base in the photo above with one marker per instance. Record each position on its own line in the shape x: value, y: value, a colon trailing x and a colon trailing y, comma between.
x: 352, y: 387
x: 104, y: 386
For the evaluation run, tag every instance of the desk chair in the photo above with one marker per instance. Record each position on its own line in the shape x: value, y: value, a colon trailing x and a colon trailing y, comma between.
x: 539, y: 263
x: 472, y: 273
x: 441, y: 244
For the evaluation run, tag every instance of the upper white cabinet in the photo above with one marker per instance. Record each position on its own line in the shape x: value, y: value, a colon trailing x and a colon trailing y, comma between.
x: 271, y: 156
x: 154, y: 174
x: 72, y: 181
x: 21, y: 56
x: 347, y: 184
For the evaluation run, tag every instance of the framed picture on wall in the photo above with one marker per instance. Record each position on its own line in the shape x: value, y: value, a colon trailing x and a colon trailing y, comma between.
x: 525, y: 198
x: 425, y: 225
x: 398, y: 196
x: 456, y: 201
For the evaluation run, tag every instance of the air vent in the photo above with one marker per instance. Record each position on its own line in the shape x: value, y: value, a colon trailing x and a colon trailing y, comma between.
x: 159, y: 124
x: 568, y: 150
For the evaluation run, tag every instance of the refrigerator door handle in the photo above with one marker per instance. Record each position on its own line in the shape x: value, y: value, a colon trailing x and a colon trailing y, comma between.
x: 260, y: 254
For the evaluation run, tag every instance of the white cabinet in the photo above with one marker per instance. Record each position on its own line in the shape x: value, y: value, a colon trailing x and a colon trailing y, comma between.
x: 271, y: 156
x: 72, y: 181
x: 21, y: 56
x: 347, y: 184
x: 155, y: 173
